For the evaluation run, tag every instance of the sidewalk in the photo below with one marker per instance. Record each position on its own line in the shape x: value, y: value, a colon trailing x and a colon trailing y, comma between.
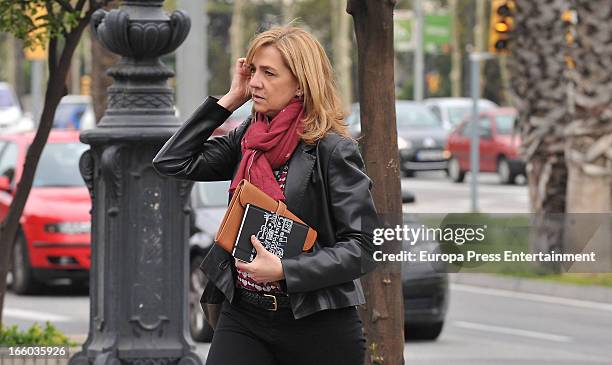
x: 534, y: 286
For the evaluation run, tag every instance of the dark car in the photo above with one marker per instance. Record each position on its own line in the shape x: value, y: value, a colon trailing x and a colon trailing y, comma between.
x: 425, y: 290
x: 421, y: 137
x: 425, y: 285
x: 208, y: 202
x: 498, y: 146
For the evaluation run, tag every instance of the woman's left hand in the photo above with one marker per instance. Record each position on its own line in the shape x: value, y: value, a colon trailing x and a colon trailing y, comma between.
x: 265, y: 268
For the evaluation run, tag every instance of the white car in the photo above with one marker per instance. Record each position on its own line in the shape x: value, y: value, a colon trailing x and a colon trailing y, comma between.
x: 452, y: 111
x: 12, y: 118
x: 74, y: 112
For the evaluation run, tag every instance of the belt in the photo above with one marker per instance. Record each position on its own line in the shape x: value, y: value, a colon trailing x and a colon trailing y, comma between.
x: 268, y: 301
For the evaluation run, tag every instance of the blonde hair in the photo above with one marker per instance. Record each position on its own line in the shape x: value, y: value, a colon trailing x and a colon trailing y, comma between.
x: 305, y: 57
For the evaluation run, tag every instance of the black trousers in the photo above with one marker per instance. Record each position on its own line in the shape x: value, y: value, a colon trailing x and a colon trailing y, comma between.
x: 247, y: 335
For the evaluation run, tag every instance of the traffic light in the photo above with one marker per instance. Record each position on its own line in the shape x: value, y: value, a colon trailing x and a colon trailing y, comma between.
x: 433, y: 82
x: 502, y: 24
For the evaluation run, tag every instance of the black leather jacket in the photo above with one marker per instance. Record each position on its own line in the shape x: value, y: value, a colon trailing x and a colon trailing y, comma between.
x: 326, y: 187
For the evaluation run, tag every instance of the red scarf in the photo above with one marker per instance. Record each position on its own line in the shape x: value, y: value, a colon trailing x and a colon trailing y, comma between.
x: 267, y: 146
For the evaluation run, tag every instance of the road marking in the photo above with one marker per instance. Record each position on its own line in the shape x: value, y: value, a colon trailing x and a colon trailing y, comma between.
x: 533, y: 297
x: 34, y: 315
x: 512, y: 331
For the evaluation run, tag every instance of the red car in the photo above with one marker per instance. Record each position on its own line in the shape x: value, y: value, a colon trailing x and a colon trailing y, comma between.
x: 498, y: 146
x: 54, y: 231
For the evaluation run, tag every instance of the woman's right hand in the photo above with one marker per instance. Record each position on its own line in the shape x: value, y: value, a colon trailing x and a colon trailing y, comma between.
x: 239, y: 91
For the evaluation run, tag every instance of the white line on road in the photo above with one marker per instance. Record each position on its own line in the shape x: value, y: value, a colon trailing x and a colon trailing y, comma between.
x: 34, y: 315
x: 534, y: 297
x: 512, y: 331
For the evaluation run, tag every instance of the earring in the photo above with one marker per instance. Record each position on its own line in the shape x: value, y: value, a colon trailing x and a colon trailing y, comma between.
x: 299, y: 93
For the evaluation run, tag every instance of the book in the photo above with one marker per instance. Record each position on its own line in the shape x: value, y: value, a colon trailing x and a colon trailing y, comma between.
x: 280, y: 235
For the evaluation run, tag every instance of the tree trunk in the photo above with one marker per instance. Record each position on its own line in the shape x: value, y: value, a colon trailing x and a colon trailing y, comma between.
x: 20, y: 85
x: 286, y: 11
x: 481, y: 25
x: 237, y: 34
x: 74, y: 76
x: 101, y: 60
x: 342, y: 52
x: 56, y: 89
x: 539, y: 90
x: 383, y: 313
x: 588, y: 146
x: 589, y: 135
x: 480, y: 33
x: 456, y: 64
x: 9, y: 69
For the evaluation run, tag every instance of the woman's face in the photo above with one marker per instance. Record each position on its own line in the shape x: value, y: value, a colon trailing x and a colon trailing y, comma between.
x: 272, y: 84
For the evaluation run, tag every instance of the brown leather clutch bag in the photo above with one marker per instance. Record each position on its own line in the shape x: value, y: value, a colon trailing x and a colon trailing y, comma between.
x: 247, y: 193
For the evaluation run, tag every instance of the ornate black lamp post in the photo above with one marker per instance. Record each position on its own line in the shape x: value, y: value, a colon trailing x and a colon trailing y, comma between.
x: 139, y: 227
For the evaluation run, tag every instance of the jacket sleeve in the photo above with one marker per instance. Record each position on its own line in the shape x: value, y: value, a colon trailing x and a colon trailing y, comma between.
x: 190, y: 154
x: 354, y: 217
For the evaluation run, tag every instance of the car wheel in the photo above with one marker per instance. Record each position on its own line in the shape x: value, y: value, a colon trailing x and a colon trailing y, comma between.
x: 454, y: 171
x: 21, y: 271
x: 81, y: 285
x: 198, y: 325
x: 506, y: 175
x: 429, y: 331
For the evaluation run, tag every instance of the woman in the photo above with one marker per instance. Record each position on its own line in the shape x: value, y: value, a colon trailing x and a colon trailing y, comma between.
x: 296, y: 310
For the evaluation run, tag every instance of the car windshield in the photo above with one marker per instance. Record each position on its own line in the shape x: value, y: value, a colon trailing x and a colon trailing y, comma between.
x: 68, y: 115
x: 213, y: 193
x: 504, y: 124
x: 456, y: 114
x: 59, y: 165
x: 6, y: 99
x: 415, y: 116
x: 243, y: 111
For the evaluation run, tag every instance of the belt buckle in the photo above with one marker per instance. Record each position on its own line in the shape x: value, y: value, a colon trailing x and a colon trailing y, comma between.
x: 275, y: 302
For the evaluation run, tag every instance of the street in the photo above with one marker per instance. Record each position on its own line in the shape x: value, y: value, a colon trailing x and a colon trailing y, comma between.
x: 435, y: 193
x: 66, y: 308
x: 484, y: 326
x: 489, y: 326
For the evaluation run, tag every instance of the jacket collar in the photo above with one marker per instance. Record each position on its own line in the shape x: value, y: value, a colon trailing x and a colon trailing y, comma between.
x: 300, y: 170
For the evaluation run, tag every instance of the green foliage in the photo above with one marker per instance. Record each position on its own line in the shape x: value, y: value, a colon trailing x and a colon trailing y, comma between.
x: 37, y: 21
x: 35, y: 335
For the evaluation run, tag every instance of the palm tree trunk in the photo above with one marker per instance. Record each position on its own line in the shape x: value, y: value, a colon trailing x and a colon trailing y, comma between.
x: 588, y: 146
x: 589, y: 135
x: 539, y: 90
